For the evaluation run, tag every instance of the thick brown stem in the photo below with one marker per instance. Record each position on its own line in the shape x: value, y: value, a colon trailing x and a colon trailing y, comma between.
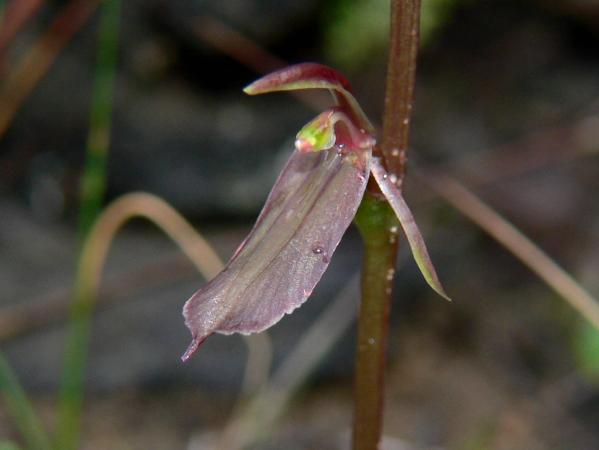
x: 401, y: 73
x: 374, y: 220
x: 377, y: 224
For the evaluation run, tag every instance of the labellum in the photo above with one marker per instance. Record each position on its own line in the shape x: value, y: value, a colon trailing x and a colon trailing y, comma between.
x: 312, y: 203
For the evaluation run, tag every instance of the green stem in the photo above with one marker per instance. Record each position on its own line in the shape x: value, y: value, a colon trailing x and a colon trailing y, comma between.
x: 18, y: 406
x: 93, y: 181
x: 92, y: 195
x: 376, y: 222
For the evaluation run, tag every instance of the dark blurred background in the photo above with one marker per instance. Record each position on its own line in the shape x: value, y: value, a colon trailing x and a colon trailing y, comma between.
x: 507, y: 101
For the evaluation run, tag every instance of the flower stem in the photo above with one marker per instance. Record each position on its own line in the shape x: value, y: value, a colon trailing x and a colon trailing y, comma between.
x: 376, y: 221
x: 401, y: 74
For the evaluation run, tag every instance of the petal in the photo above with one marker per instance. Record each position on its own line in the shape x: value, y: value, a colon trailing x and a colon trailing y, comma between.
x: 300, y: 76
x: 278, y: 265
x: 313, y: 76
x: 406, y: 219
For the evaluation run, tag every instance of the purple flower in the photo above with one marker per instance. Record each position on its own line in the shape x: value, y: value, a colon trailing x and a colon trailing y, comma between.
x: 312, y: 203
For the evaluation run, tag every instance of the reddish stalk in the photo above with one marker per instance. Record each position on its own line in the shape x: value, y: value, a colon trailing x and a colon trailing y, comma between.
x: 401, y: 74
x: 376, y: 223
x: 15, y: 16
x: 32, y: 67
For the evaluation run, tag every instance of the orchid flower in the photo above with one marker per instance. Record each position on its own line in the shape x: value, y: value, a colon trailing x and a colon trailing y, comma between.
x: 312, y: 203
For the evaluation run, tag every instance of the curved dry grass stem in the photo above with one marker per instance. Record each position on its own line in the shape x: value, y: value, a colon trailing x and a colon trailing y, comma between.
x: 191, y: 243
x: 517, y: 243
x: 160, y: 213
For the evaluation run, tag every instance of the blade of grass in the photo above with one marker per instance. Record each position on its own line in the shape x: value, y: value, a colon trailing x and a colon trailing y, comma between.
x: 91, y: 262
x: 92, y: 194
x: 161, y: 214
x: 517, y: 243
x: 20, y: 409
x: 98, y: 140
x: 14, y: 90
x: 193, y: 245
x: 21, y: 81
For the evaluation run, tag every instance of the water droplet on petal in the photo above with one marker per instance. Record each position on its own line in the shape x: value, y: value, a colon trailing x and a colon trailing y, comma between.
x: 318, y: 249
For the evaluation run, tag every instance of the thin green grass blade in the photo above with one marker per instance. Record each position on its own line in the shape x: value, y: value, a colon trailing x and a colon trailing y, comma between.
x: 93, y: 181
x: 19, y: 407
x: 92, y: 194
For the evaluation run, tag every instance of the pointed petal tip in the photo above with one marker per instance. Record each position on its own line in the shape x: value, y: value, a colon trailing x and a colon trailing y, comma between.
x: 249, y: 89
x: 193, y: 347
x: 428, y: 271
x: 430, y: 275
x: 443, y: 294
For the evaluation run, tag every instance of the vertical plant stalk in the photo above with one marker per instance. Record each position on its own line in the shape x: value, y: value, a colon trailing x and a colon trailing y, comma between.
x: 374, y: 220
x: 92, y: 193
x: 401, y: 76
x: 378, y: 226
